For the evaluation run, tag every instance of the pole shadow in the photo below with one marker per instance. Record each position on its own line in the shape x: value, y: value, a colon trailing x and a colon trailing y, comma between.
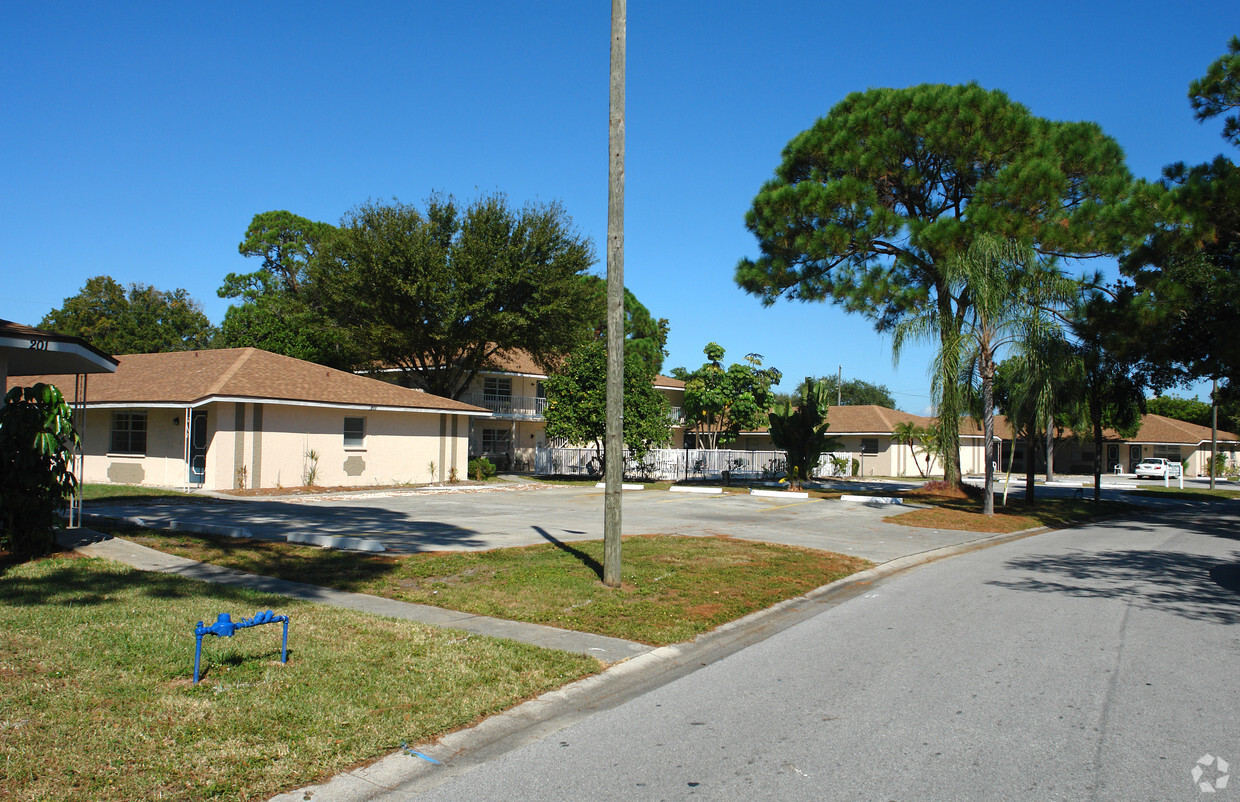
x: 586, y: 559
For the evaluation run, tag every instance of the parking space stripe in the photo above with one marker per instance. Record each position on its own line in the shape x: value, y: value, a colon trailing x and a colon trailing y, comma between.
x: 793, y: 504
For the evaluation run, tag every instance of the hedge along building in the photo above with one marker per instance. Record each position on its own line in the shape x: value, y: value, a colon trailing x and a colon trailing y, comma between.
x: 245, y: 418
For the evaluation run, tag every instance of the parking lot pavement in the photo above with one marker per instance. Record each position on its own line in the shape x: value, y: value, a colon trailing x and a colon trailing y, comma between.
x: 406, y: 522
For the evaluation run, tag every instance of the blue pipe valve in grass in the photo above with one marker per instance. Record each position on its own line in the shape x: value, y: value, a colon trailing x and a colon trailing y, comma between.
x: 225, y: 627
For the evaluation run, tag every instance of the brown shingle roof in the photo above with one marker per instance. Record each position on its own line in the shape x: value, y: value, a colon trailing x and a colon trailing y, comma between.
x: 1160, y: 429
x: 869, y: 419
x: 517, y: 360
x: 189, y: 377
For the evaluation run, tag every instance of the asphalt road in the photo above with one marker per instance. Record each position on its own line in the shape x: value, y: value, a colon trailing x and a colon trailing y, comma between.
x: 1091, y: 663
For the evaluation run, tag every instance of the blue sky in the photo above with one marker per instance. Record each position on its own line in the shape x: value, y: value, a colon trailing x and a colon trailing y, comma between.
x: 139, y: 139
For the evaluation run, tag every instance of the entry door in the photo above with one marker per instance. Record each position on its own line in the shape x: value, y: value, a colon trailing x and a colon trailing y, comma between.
x: 1134, y: 456
x: 1112, y: 457
x: 198, y: 448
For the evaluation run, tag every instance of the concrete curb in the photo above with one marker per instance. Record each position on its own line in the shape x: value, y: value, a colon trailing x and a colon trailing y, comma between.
x: 172, y: 525
x: 778, y: 493
x: 872, y: 499
x: 713, y: 491
x: 336, y: 542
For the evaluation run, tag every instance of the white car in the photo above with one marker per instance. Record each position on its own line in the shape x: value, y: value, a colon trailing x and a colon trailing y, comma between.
x: 1155, y: 468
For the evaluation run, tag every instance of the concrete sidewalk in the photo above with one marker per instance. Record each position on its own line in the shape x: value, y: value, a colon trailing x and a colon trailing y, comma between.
x: 94, y: 544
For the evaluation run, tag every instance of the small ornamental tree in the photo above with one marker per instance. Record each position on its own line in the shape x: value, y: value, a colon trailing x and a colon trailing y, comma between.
x: 908, y: 433
x: 36, y: 480
x: 577, y: 402
x: 721, y: 403
x: 802, y: 431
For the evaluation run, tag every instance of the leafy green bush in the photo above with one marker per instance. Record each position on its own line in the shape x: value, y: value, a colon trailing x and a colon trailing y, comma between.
x: 36, y: 479
x: 481, y: 469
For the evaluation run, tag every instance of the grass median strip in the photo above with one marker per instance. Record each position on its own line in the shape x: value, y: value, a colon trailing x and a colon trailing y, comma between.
x: 673, y: 588
x: 965, y: 513
x: 96, y: 700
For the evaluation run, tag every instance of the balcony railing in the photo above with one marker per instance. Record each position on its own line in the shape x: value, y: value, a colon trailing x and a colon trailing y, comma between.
x: 525, y: 407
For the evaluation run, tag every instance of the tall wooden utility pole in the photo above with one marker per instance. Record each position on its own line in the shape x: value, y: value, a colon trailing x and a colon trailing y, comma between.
x: 615, y: 306
x: 1213, y: 430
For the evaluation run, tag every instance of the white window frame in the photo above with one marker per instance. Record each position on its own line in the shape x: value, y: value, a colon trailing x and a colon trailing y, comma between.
x: 131, y: 416
x: 359, y: 441
x: 498, y: 437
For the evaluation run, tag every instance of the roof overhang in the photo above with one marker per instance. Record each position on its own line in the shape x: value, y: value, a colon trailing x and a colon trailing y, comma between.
x: 32, y: 352
x: 202, y: 402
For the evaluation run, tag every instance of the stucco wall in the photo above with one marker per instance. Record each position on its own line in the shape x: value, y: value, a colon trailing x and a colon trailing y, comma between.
x: 267, y: 445
x: 163, y: 464
x: 398, y: 447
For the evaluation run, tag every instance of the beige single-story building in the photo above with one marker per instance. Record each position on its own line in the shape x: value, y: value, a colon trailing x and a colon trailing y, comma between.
x: 246, y: 418
x: 867, y: 432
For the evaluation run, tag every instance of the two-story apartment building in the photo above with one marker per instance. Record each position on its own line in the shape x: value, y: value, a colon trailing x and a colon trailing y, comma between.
x: 513, y: 389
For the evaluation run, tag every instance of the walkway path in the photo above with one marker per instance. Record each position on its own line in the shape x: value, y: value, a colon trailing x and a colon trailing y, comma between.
x: 608, y: 650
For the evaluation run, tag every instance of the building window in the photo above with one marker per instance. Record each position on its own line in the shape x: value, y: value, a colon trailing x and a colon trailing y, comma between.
x: 1168, y: 452
x: 496, y: 441
x: 497, y: 387
x: 354, y: 432
x: 128, y: 432
x: 869, y: 445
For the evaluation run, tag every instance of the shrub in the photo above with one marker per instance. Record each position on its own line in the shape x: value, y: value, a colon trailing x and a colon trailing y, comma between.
x: 36, y: 479
x: 481, y: 469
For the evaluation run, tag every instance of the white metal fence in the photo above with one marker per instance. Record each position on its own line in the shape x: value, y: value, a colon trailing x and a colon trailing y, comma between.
x: 679, y: 464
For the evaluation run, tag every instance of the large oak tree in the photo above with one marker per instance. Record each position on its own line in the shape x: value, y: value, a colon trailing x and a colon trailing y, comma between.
x: 137, y: 320
x: 440, y: 292
x: 871, y: 201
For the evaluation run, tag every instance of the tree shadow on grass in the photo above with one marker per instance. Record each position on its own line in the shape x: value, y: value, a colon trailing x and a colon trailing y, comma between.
x: 73, y: 583
x: 586, y: 559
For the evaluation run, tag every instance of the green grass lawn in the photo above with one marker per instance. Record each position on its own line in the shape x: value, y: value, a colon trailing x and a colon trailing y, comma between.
x: 97, y: 700
x: 673, y: 588
x: 94, y: 492
x: 965, y: 513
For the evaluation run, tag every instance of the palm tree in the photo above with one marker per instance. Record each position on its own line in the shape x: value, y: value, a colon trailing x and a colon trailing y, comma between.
x: 1009, y: 295
x: 1031, y: 388
x: 802, y: 431
x: 1109, y: 395
x: 907, y: 432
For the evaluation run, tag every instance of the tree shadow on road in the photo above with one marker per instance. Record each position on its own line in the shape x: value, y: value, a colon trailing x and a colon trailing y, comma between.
x: 1195, y: 586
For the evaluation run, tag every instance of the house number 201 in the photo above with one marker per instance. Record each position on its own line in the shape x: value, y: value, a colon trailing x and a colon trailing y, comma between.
x: 38, y: 345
